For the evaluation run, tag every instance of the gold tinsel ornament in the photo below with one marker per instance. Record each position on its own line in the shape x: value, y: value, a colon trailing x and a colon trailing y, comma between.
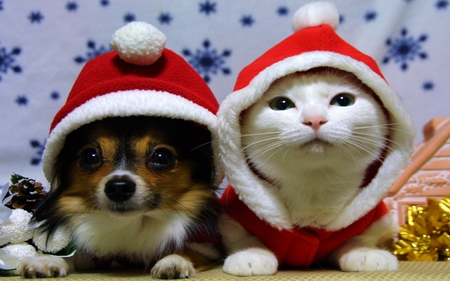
x: 426, y: 234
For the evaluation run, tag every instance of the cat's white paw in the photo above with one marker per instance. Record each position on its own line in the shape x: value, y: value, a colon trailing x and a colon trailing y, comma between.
x: 368, y: 259
x: 173, y: 267
x: 250, y: 262
x: 43, y: 267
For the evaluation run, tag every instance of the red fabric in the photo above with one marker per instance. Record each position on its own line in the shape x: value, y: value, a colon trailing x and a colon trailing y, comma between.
x: 297, y: 247
x: 318, y: 38
x: 107, y: 73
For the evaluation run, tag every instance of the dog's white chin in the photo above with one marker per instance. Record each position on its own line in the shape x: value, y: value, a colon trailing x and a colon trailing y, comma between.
x: 157, y: 214
x: 140, y: 235
x: 126, y: 214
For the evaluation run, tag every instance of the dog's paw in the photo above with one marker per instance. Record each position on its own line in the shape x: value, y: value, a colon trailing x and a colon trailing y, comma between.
x: 252, y: 261
x: 173, y: 267
x: 367, y: 259
x: 43, y: 267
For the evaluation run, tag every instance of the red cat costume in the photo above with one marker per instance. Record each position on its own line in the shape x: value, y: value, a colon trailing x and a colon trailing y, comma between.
x: 253, y: 200
x: 296, y: 247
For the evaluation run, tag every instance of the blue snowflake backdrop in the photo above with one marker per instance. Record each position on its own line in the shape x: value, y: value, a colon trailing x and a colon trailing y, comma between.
x: 7, y: 60
x: 47, y: 43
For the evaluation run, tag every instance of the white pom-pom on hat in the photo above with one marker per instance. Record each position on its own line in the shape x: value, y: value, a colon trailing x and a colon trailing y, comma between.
x: 139, y: 43
x: 315, y: 14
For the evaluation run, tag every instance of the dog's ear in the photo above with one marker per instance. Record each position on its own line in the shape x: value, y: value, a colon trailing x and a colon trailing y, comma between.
x: 46, y: 213
x: 45, y: 207
x: 201, y: 151
x: 206, y: 169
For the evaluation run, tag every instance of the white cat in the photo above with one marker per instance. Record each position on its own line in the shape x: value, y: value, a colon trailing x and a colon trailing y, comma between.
x: 315, y: 140
x: 311, y: 139
x: 313, y: 135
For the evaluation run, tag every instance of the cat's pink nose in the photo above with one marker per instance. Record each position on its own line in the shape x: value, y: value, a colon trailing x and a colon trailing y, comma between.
x: 315, y: 121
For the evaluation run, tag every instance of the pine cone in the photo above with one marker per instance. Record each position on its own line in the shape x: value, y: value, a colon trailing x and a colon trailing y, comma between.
x: 27, y: 194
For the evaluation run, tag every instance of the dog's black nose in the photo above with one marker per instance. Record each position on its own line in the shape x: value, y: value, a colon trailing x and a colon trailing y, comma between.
x: 120, y: 189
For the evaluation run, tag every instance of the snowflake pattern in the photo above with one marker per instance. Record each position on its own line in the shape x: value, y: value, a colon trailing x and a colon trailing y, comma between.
x: 39, y: 147
x: 441, y: 4
x: 207, y: 8
x: 22, y: 100
x: 282, y: 11
x: 208, y: 61
x: 370, y: 16
x: 35, y: 17
x: 93, y: 52
x: 128, y: 17
x: 7, y: 60
x: 405, y: 49
x: 72, y: 6
x: 428, y: 86
x: 55, y: 95
x: 164, y: 18
x: 247, y: 20
x: 104, y: 3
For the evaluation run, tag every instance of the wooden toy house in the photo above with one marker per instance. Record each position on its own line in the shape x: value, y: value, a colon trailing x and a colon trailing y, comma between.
x: 428, y: 175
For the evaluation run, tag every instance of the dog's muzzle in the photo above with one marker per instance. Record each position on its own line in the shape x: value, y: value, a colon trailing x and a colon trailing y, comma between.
x: 120, y: 189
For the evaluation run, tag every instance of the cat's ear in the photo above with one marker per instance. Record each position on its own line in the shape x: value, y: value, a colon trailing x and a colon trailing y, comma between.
x: 315, y: 14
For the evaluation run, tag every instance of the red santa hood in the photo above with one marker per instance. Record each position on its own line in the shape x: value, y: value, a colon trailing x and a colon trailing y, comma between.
x: 140, y: 77
x: 314, y: 44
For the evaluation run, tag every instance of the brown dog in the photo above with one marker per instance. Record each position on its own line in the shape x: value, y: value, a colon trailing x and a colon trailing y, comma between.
x: 133, y: 190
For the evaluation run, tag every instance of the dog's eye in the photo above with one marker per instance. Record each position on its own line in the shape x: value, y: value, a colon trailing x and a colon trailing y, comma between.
x: 90, y: 158
x: 160, y: 158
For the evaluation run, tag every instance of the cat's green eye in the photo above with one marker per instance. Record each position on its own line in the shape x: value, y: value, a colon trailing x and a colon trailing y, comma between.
x: 281, y: 104
x: 343, y: 100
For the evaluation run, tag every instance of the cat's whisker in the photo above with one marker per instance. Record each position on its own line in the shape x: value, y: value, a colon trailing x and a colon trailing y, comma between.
x: 261, y: 134
x: 270, y: 156
x: 390, y: 126
x: 370, y: 136
x: 267, y: 149
x: 204, y: 144
x: 262, y: 150
x: 369, y: 139
x: 376, y: 152
x: 375, y: 139
x: 259, y: 142
x: 346, y: 151
x: 361, y: 146
x: 284, y: 156
x: 404, y: 146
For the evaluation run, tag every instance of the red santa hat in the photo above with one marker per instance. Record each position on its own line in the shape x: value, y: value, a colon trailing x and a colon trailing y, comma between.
x: 314, y: 44
x: 140, y: 77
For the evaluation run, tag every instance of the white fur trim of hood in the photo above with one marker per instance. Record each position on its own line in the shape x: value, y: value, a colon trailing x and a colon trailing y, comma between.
x: 261, y: 197
x: 125, y: 104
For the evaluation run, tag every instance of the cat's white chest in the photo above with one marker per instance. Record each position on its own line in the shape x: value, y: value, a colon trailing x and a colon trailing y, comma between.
x: 315, y: 198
